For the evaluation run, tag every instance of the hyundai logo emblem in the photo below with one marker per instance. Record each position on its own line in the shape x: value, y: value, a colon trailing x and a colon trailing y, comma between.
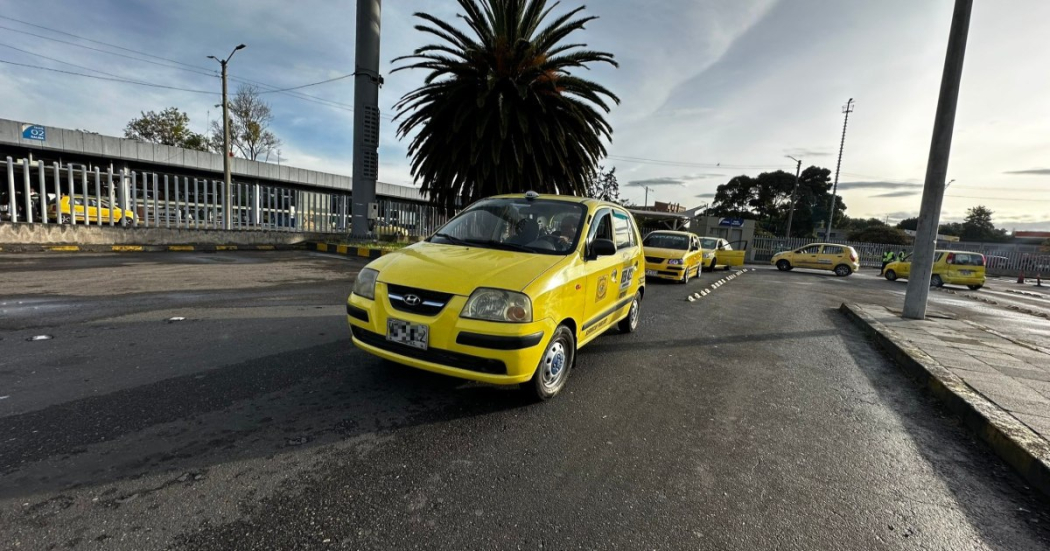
x: 412, y: 300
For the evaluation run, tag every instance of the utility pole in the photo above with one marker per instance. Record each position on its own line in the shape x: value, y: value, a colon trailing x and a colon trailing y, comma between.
x: 937, y: 167
x: 227, y: 194
x: 366, y: 115
x: 791, y: 212
x: 647, y: 190
x: 835, y: 188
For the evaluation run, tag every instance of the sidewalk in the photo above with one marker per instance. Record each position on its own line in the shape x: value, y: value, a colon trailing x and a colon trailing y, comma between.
x: 1000, y: 387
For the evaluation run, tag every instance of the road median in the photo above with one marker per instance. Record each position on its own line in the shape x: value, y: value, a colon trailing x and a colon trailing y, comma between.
x: 984, y: 380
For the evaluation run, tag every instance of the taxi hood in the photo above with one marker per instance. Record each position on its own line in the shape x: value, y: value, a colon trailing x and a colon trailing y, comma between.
x: 665, y: 253
x: 461, y: 270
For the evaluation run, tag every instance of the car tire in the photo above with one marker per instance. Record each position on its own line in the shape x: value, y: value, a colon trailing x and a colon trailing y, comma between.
x: 685, y: 277
x: 783, y: 265
x: 629, y: 324
x: 936, y: 281
x: 975, y: 287
x: 891, y: 275
x: 843, y: 270
x: 555, y: 364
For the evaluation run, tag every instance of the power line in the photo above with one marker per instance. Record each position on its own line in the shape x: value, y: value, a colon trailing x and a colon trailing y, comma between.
x: 643, y: 160
x: 999, y: 198
x: 308, y: 85
x: 109, y: 79
x: 60, y: 61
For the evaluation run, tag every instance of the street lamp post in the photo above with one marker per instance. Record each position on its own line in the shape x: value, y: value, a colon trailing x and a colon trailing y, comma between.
x: 794, y: 190
x: 227, y: 196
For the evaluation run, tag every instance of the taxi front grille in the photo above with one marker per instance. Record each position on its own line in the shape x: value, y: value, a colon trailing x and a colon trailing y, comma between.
x: 417, y: 301
x: 434, y: 355
x: 654, y: 260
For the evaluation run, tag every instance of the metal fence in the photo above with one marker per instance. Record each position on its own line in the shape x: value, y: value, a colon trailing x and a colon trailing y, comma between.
x: 998, y: 259
x: 78, y: 194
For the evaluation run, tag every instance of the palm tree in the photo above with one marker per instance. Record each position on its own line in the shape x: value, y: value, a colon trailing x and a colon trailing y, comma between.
x: 499, y: 111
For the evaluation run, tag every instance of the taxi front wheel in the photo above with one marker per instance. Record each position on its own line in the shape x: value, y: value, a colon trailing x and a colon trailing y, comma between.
x: 553, y: 370
x: 891, y: 275
x: 783, y: 265
x: 630, y: 323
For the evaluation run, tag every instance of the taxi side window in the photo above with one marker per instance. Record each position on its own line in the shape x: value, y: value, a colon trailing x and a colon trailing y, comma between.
x: 832, y: 250
x: 622, y: 228
x: 726, y: 246
x: 811, y: 250
x: 602, y: 227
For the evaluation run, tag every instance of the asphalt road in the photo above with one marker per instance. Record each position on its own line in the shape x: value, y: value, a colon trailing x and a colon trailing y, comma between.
x: 754, y: 418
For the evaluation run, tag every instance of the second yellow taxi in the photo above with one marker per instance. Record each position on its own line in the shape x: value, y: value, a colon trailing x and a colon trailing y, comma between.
x: 949, y: 267
x: 506, y: 292
x: 674, y: 255
x: 841, y: 259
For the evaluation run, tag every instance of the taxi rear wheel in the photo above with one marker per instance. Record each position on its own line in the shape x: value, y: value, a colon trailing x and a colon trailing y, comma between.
x: 975, y: 287
x: 783, y: 265
x: 891, y: 275
x: 553, y: 370
x: 843, y: 270
x: 936, y: 281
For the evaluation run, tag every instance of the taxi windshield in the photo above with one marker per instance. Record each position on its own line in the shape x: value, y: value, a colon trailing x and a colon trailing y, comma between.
x: 541, y: 226
x: 666, y: 241
x: 708, y: 243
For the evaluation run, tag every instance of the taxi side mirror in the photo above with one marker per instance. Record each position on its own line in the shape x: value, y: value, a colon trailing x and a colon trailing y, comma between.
x: 602, y: 247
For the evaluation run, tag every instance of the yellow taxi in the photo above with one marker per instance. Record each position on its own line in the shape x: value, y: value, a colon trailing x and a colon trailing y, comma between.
x: 720, y: 253
x: 674, y: 255
x: 505, y: 292
x: 949, y: 267
x: 94, y: 211
x: 841, y: 259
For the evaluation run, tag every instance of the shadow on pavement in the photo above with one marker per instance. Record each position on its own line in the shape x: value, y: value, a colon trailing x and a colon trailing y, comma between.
x: 285, y: 402
x: 971, y: 472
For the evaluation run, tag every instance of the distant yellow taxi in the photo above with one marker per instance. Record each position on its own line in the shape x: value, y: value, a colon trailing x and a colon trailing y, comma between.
x: 841, y: 259
x: 949, y: 267
x: 719, y: 253
x: 70, y: 208
x: 506, y: 292
x: 674, y: 255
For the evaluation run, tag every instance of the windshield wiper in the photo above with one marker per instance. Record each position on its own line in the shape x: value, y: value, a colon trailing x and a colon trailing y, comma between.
x: 501, y: 245
x: 453, y: 240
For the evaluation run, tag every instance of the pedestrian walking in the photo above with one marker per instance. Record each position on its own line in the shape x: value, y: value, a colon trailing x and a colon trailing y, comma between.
x: 887, y: 257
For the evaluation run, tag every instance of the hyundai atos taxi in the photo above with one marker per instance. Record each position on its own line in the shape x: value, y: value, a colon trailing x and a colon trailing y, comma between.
x: 674, y: 255
x: 506, y: 292
x: 841, y: 259
x: 949, y: 267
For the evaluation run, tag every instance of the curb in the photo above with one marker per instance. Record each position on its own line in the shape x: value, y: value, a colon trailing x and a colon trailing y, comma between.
x: 208, y: 248
x: 1011, y: 440
x: 348, y: 250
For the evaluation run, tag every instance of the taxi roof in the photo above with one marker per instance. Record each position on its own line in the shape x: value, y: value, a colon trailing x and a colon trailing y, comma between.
x: 672, y: 232
x: 567, y: 198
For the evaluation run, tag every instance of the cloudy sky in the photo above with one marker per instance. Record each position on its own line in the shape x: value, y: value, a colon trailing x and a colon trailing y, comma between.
x: 710, y: 89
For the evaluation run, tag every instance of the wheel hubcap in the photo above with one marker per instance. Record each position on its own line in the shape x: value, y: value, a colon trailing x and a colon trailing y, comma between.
x: 634, y: 313
x: 554, y: 365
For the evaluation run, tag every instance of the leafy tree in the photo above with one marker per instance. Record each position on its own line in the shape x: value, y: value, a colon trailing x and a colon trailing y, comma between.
x: 954, y: 229
x: 1045, y: 247
x: 604, y: 185
x: 169, y: 127
x: 767, y: 199
x: 909, y: 224
x: 250, y: 119
x: 880, y: 234
x: 500, y: 110
x: 978, y: 226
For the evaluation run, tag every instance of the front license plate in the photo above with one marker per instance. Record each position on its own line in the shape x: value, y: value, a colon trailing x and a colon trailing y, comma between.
x: 412, y: 334
x: 650, y: 272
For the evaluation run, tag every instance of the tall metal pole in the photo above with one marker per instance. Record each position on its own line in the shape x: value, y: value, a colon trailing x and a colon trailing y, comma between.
x: 794, y: 191
x: 366, y: 115
x: 226, y: 177
x: 937, y: 166
x: 835, y: 188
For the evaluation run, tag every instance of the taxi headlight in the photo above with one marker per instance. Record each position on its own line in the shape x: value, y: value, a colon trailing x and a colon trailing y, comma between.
x: 365, y: 284
x: 674, y: 262
x: 498, y: 305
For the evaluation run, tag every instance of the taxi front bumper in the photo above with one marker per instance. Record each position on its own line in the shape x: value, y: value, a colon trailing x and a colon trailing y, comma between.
x: 484, y: 351
x: 663, y: 271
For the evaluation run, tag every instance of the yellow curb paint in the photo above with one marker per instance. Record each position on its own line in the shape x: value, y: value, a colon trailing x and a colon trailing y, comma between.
x: 127, y: 248
x: 182, y: 248
x: 322, y: 247
x: 362, y: 251
x: 265, y: 247
x: 226, y: 247
x: 341, y: 249
x: 64, y: 248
